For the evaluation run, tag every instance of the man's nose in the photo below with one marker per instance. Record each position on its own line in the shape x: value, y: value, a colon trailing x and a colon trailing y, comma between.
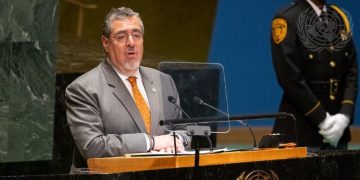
x: 130, y: 41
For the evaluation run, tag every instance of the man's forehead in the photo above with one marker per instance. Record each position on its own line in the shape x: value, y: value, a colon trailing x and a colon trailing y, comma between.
x: 130, y: 23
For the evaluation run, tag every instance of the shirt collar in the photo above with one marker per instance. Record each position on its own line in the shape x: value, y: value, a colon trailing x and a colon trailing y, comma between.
x: 122, y: 76
x: 316, y: 8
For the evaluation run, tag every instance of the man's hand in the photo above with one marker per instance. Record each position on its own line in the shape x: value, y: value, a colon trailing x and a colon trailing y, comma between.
x: 333, y: 134
x: 165, y: 143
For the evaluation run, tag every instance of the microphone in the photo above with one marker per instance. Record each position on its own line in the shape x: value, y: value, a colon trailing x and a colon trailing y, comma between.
x: 199, y: 101
x: 173, y: 100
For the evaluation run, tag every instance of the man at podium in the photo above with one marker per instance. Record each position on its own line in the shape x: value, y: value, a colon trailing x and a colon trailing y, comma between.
x: 115, y: 108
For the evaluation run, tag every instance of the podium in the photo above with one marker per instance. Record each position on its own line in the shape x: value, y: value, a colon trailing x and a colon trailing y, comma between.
x: 243, y: 165
x: 144, y: 163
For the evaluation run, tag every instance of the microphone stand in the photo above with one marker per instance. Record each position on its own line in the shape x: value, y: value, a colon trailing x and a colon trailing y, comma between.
x: 173, y: 101
x: 174, y: 138
x: 231, y: 118
x: 196, y: 131
x: 197, y: 100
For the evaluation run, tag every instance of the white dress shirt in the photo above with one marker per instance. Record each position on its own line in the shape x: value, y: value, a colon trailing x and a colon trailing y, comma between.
x: 316, y: 8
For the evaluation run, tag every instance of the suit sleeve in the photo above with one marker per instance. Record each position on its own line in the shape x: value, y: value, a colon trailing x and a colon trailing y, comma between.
x: 288, y: 63
x: 84, y: 119
x: 351, y: 83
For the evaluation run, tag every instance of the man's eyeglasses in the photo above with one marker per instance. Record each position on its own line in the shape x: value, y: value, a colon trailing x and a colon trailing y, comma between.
x: 123, y: 37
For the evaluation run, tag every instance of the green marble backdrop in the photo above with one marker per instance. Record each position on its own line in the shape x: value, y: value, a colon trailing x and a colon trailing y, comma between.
x: 28, y: 51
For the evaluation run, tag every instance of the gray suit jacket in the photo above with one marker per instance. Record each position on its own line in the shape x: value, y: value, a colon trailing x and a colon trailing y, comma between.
x: 103, y: 117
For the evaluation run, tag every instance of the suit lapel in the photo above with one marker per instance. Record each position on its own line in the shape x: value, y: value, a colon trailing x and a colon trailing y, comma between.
x: 122, y: 94
x: 153, y: 89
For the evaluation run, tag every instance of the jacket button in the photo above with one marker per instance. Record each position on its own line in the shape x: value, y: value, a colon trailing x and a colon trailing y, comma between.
x: 311, y: 56
x: 332, y: 63
x: 332, y: 97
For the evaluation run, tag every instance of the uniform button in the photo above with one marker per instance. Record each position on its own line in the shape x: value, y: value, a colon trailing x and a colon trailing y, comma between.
x: 332, y: 47
x: 311, y: 56
x: 332, y: 97
x: 346, y: 54
x: 332, y: 63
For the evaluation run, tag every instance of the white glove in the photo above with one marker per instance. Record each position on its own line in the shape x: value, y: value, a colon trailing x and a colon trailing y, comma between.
x: 327, y: 122
x: 334, y: 133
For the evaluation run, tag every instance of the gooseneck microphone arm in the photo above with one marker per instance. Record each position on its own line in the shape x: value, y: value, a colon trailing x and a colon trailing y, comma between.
x: 173, y: 100
x: 197, y: 149
x: 197, y: 100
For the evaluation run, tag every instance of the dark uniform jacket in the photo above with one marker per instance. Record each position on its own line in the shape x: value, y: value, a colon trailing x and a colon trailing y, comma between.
x: 314, y: 79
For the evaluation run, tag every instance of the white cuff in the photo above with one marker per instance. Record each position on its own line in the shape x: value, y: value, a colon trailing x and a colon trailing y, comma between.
x: 147, y: 142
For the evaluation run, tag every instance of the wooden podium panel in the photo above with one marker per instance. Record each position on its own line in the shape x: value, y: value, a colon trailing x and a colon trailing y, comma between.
x: 131, y: 164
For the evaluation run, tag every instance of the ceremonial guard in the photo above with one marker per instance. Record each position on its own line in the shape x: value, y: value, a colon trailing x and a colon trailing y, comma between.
x: 316, y: 66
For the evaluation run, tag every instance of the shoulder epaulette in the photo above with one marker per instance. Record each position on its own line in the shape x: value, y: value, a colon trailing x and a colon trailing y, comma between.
x: 343, y: 16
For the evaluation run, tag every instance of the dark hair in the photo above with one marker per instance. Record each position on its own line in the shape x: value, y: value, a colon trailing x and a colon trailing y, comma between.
x: 119, y: 14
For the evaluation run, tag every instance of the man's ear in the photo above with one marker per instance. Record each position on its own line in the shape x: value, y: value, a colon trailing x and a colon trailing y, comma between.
x: 105, y: 43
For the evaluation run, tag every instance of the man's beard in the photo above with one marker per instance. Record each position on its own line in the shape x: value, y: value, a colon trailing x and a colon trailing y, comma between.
x: 131, y: 66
